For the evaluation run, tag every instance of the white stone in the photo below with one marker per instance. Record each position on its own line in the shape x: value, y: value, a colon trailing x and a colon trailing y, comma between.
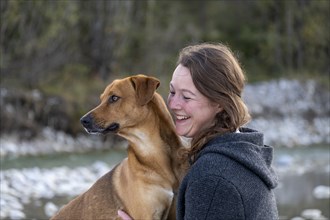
x: 297, y: 218
x: 16, y: 214
x: 50, y: 209
x: 321, y: 192
x: 312, y: 214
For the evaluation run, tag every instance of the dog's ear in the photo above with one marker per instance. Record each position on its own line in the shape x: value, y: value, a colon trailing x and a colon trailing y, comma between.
x: 145, y: 88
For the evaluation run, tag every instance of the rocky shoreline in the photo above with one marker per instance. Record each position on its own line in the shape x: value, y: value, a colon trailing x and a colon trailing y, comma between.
x: 50, y: 141
x: 290, y: 112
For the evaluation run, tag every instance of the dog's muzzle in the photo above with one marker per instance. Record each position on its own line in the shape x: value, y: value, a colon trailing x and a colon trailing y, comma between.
x: 91, y: 127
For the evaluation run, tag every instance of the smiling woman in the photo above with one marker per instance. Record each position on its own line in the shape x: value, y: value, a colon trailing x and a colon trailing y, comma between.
x: 230, y: 165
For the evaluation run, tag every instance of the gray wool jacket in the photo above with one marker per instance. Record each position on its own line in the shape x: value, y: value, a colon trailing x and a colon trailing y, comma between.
x: 232, y: 178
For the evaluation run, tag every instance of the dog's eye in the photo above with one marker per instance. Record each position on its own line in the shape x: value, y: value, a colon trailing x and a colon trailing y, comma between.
x: 113, y: 99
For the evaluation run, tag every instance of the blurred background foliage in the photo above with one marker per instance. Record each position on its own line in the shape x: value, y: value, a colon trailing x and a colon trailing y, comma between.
x: 74, y: 48
x: 43, y: 39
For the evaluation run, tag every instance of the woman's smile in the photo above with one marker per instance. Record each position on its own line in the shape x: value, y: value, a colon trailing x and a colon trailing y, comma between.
x: 182, y: 118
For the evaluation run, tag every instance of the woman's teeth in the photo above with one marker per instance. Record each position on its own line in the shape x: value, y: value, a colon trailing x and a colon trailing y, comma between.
x: 182, y: 117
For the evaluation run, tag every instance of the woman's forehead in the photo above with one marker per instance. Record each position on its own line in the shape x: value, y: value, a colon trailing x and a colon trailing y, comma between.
x: 181, y: 70
x: 181, y: 76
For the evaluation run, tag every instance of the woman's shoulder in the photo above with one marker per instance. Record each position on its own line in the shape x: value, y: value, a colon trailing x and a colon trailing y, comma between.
x: 209, y: 167
x: 227, y: 168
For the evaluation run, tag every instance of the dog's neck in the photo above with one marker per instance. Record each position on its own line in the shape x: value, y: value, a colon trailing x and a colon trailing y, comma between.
x: 157, y: 125
x: 155, y: 148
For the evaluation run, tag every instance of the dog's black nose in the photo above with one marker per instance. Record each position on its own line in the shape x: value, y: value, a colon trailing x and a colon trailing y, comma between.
x: 87, y: 120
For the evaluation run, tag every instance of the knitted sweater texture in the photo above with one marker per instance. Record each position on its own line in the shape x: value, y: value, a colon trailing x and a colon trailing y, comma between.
x: 232, y: 178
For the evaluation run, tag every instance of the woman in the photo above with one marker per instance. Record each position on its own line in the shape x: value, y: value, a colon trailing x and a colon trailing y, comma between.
x: 230, y: 175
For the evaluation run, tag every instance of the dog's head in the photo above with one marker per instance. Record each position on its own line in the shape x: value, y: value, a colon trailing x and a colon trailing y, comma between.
x: 123, y: 105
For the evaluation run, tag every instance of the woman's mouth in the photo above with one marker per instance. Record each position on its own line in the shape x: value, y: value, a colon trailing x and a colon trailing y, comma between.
x: 181, y: 117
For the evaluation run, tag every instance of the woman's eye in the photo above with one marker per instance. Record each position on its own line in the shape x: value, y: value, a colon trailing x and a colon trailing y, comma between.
x: 172, y: 93
x: 113, y: 98
x: 186, y: 98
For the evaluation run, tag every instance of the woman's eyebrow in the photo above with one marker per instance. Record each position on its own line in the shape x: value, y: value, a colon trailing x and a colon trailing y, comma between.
x: 188, y: 91
x: 183, y: 90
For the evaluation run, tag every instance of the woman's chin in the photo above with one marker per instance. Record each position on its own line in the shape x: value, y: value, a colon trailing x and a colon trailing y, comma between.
x: 183, y: 133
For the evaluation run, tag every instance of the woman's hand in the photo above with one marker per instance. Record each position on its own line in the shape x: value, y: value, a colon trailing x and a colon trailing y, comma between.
x: 123, y: 215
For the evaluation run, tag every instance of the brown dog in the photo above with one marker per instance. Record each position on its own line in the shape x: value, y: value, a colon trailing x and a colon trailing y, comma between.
x: 144, y: 183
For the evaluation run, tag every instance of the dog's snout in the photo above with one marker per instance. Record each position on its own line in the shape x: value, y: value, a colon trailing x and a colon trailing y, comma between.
x: 87, y: 120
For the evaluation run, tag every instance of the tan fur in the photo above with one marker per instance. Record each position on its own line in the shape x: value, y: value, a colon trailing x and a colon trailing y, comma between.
x: 143, y: 184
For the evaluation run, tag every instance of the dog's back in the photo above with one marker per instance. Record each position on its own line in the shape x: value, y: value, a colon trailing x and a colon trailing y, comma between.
x: 90, y: 205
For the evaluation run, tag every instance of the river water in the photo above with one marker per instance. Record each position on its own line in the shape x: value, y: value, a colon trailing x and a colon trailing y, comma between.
x: 303, y: 171
x: 304, y: 181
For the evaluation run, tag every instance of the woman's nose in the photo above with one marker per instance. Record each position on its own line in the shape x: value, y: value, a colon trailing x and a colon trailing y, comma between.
x: 173, y: 102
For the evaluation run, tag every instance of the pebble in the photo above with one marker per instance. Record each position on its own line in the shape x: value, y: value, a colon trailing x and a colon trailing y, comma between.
x: 16, y: 214
x: 284, y: 160
x: 313, y: 214
x: 297, y: 218
x: 50, y: 209
x: 321, y: 192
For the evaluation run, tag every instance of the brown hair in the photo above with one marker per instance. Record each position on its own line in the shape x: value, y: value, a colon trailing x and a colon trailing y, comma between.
x: 216, y: 73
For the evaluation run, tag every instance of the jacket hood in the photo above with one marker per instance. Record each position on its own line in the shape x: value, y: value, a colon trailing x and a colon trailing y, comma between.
x: 245, y: 147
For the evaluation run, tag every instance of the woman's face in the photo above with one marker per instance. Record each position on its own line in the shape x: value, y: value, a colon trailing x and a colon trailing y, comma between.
x: 192, y: 111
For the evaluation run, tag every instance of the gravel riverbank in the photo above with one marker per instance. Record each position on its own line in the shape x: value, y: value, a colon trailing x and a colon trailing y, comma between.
x: 20, y: 187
